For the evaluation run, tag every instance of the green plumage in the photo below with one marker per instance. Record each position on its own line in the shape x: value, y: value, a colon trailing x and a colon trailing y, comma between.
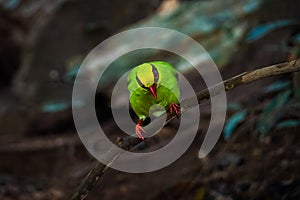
x: 167, y: 89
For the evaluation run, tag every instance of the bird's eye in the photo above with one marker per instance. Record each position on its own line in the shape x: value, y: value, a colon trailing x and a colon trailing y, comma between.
x: 155, y: 74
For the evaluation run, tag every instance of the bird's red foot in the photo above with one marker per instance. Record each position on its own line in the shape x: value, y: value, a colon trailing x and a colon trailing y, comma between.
x: 174, y: 107
x: 139, y: 129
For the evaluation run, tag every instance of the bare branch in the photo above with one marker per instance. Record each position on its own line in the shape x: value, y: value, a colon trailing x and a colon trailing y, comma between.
x: 129, y: 142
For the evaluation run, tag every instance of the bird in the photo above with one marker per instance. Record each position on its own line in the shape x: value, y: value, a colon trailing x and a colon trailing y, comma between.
x: 149, y: 84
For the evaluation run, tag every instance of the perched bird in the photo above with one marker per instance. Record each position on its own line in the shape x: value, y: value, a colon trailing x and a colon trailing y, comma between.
x: 149, y: 84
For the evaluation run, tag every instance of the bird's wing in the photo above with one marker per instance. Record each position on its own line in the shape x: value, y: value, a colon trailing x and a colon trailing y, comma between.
x: 168, y: 76
x: 131, y: 81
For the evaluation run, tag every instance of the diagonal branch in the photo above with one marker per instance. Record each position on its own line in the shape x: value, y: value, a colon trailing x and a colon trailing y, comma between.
x: 129, y: 142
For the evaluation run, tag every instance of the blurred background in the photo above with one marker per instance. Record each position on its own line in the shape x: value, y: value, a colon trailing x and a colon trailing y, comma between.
x: 42, y: 45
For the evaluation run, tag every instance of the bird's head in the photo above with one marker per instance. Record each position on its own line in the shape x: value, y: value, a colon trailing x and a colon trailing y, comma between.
x: 147, y: 77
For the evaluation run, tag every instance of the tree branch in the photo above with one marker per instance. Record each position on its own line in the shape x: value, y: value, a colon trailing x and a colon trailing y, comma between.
x: 129, y: 142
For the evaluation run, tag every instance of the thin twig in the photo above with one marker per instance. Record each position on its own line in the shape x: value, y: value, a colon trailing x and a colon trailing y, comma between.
x: 129, y: 142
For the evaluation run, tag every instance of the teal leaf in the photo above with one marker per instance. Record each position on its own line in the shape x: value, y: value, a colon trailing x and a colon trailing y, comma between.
x: 261, y: 30
x: 71, y: 74
x: 233, y: 122
x: 271, y: 112
x: 251, y: 6
x: 296, y: 38
x: 10, y: 4
x: 288, y: 123
x: 57, y: 106
x: 277, y: 86
x: 297, y: 93
x: 234, y: 106
x: 53, y: 107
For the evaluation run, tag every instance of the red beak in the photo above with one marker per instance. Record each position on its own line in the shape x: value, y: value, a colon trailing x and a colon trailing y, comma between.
x: 152, y: 89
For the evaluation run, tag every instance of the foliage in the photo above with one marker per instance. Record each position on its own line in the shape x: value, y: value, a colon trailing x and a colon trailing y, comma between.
x: 273, y: 115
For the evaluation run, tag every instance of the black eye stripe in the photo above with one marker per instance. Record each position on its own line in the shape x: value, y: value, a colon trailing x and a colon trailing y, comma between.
x: 155, y: 74
x: 139, y: 82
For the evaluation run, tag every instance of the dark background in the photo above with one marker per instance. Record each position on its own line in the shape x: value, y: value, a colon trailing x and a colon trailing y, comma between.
x: 41, y: 156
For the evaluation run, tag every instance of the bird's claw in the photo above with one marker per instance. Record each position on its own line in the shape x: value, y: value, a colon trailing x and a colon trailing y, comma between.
x: 174, y: 107
x: 139, y: 130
